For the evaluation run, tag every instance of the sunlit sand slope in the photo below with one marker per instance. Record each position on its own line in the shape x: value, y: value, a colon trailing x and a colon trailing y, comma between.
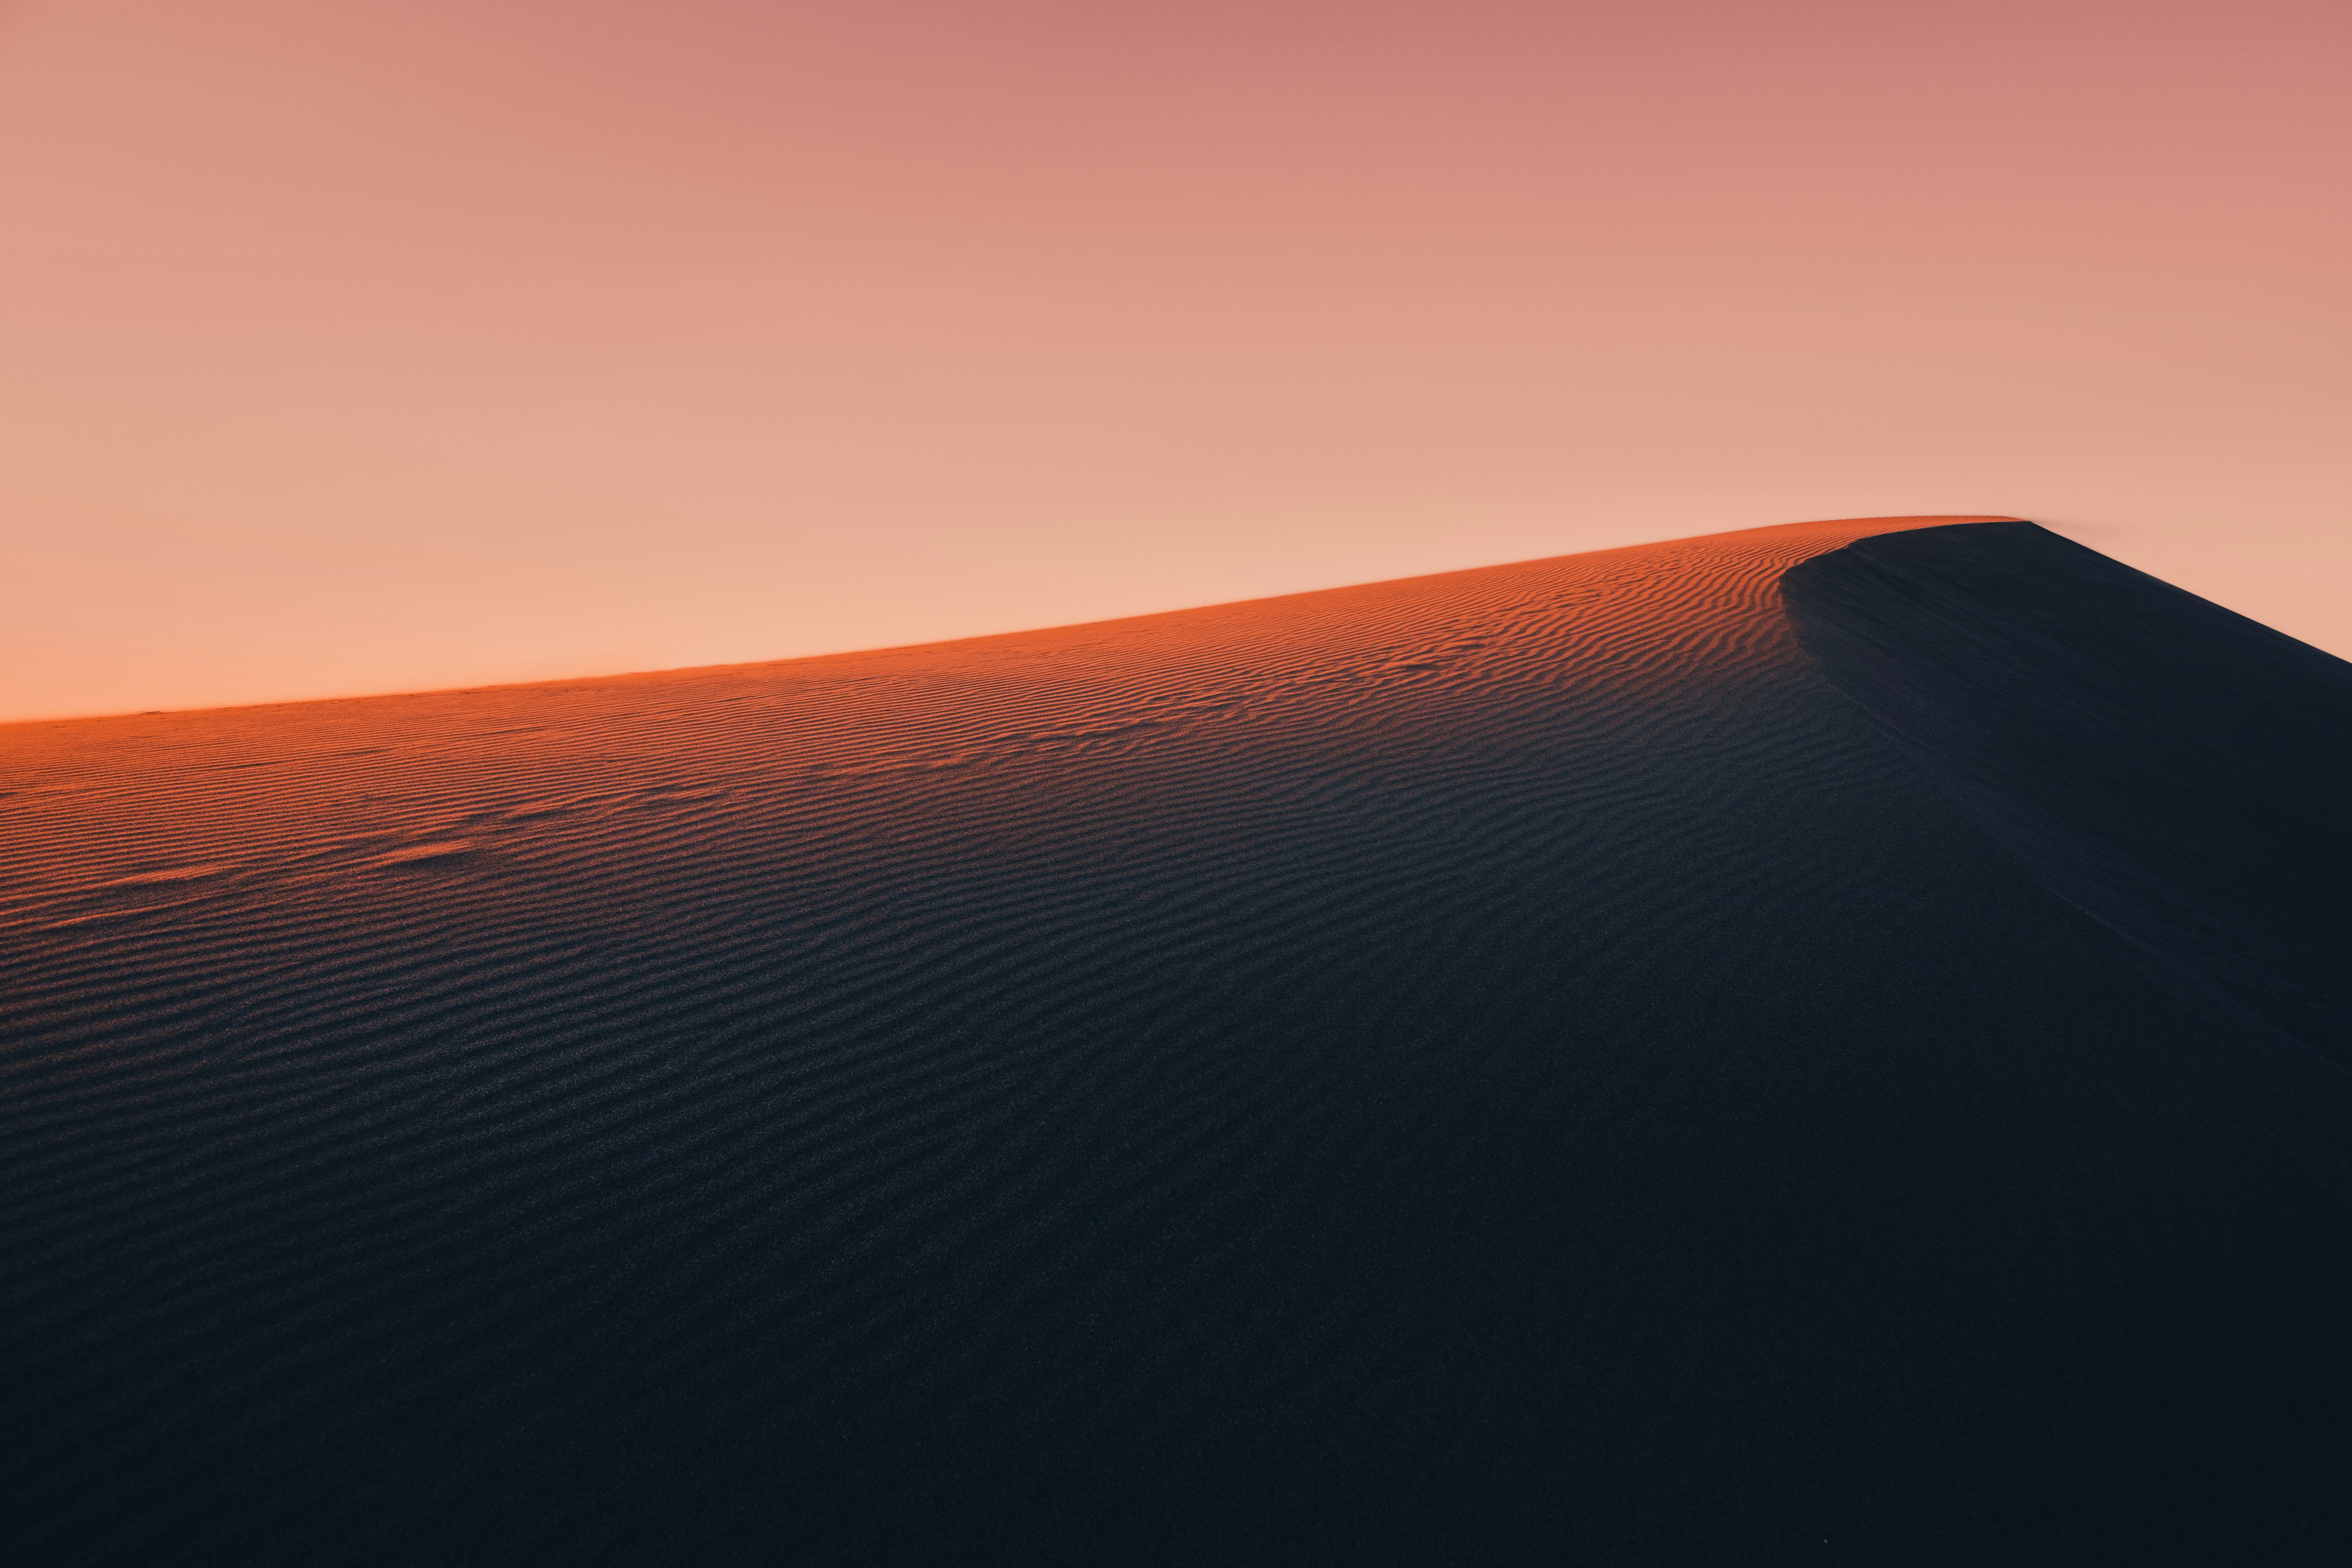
x: 1514, y: 1064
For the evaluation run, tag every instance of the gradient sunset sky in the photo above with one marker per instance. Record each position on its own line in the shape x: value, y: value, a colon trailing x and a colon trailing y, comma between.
x: 368, y: 345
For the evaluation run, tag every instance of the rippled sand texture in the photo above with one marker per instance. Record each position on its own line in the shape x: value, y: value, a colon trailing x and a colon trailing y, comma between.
x: 1498, y: 1066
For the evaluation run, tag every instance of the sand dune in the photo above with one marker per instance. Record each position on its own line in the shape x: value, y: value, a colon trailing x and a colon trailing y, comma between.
x: 1588, y: 1060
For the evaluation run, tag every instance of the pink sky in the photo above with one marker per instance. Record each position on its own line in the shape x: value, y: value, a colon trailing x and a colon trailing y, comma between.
x: 352, y: 346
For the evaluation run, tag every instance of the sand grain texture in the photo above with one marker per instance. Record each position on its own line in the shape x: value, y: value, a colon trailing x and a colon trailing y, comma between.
x: 1525, y: 1063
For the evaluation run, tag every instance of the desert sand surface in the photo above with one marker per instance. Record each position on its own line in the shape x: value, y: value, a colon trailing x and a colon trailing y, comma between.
x: 1630, y: 1058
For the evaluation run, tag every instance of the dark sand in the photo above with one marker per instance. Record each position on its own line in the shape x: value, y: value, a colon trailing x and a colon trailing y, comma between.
x: 1522, y: 1065
x: 2181, y: 772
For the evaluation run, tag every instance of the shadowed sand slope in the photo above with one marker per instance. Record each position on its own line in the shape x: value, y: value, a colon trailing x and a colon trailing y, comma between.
x: 2179, y: 772
x: 1510, y: 1065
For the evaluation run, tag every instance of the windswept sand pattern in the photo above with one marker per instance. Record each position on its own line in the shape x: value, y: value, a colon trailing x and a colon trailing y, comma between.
x: 1498, y: 1063
x: 275, y: 791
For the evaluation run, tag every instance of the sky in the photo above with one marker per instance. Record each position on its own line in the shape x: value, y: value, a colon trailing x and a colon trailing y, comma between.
x: 371, y: 345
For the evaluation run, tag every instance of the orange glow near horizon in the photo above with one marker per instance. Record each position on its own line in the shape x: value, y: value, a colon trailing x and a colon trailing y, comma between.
x: 357, y: 347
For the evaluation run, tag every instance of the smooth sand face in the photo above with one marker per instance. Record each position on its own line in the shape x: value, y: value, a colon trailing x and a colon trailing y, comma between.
x: 2173, y: 769
x: 1503, y: 1065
